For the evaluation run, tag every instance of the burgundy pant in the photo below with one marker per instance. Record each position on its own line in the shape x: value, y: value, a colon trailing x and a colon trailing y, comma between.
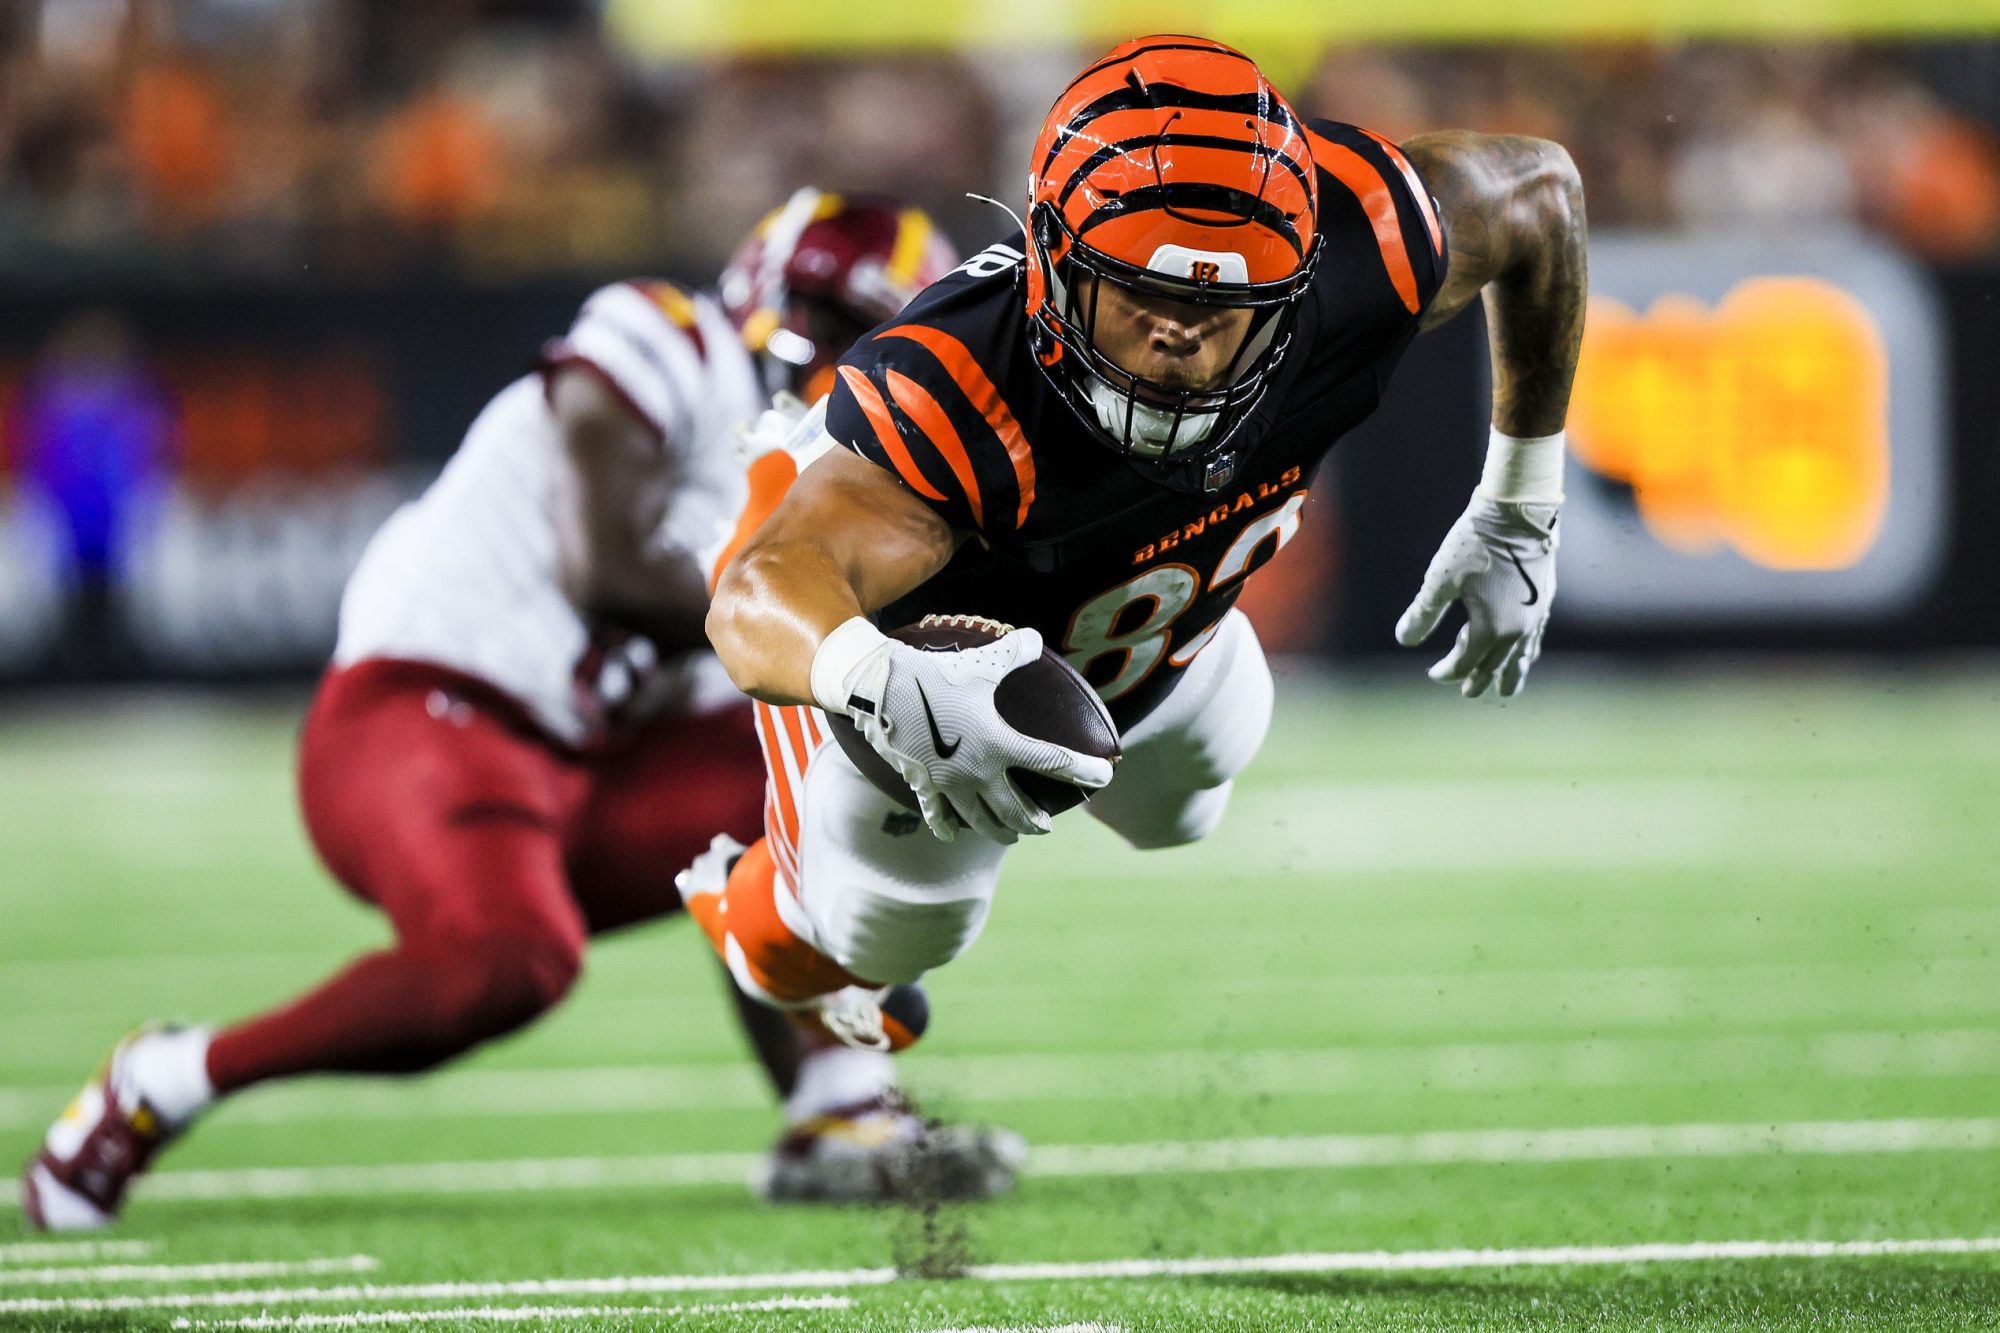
x: 494, y: 852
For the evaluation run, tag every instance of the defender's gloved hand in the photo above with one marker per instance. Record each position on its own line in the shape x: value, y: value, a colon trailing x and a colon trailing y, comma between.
x: 773, y: 428
x: 1500, y: 560
x: 931, y: 715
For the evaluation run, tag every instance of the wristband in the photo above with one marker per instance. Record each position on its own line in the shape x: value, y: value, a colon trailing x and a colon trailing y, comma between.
x: 1523, y: 471
x: 834, y: 662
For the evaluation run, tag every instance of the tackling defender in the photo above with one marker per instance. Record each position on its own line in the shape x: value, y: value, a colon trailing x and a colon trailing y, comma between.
x: 1097, y: 432
x: 523, y: 735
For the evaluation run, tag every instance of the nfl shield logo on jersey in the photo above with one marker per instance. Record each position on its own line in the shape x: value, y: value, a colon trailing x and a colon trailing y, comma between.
x: 1220, y: 469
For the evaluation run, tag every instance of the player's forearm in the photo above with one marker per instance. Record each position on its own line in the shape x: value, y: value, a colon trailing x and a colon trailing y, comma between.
x: 1535, y: 306
x: 618, y: 485
x: 773, y: 608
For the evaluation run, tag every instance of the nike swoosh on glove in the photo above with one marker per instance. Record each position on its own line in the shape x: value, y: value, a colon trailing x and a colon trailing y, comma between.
x: 932, y: 716
x: 1500, y: 560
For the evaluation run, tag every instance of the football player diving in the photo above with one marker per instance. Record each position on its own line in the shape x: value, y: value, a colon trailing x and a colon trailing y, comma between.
x: 523, y: 734
x: 1095, y: 433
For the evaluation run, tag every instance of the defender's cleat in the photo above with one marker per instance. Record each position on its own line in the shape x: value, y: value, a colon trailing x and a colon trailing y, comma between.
x: 89, y: 1158
x: 880, y: 1151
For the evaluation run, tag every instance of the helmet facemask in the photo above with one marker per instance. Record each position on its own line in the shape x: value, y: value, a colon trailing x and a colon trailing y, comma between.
x: 1169, y: 168
x: 1134, y: 416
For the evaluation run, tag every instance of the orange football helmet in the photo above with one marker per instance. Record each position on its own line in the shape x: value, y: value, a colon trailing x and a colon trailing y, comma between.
x: 1171, y: 168
x: 821, y: 270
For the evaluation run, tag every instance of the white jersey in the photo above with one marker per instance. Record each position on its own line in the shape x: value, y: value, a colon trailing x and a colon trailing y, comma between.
x: 467, y: 576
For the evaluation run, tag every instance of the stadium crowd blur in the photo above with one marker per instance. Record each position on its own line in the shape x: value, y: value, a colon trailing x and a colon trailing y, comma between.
x: 357, y: 140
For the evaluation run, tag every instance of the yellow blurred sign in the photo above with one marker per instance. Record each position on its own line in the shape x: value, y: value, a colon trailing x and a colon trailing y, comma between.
x: 1760, y: 425
x: 1277, y: 31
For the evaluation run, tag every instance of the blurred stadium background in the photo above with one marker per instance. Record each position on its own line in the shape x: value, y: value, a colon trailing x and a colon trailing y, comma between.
x: 264, y: 259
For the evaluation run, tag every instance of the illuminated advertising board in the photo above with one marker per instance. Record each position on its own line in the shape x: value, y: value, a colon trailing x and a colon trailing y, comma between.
x: 1757, y: 435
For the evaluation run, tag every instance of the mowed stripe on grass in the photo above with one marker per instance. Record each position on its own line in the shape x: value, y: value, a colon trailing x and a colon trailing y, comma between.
x: 1323, y: 1152
x: 72, y: 1251
x: 1111, y: 1076
x: 1350, y: 1261
x: 520, y: 1314
x: 223, y: 1272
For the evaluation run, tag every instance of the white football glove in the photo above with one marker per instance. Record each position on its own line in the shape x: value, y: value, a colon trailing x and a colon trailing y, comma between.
x: 931, y: 715
x: 772, y: 429
x: 1500, y: 560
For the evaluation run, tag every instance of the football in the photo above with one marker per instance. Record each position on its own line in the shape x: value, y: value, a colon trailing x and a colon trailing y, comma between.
x: 1045, y: 699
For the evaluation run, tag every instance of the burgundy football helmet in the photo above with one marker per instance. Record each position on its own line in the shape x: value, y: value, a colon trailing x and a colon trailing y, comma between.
x: 821, y: 271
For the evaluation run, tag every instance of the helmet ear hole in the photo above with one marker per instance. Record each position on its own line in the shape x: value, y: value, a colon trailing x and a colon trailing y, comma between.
x: 1047, y: 233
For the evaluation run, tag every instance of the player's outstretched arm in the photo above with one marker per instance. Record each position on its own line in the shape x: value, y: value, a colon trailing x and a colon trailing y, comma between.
x: 1513, y: 214
x: 789, y: 622
x: 847, y: 540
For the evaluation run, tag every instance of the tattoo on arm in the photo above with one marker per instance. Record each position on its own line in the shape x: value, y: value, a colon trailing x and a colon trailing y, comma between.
x: 1513, y: 211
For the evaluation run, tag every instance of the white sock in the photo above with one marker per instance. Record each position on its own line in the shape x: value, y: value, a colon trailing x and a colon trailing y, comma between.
x: 170, y: 1070
x: 838, y: 1076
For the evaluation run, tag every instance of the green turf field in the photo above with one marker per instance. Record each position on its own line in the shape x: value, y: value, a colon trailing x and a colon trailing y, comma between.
x: 1471, y: 1017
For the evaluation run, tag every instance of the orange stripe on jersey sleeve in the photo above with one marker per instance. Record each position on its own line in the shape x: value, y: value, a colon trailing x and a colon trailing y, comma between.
x: 1423, y: 196
x: 916, y: 400
x: 1372, y: 189
x: 891, y: 439
x: 978, y: 389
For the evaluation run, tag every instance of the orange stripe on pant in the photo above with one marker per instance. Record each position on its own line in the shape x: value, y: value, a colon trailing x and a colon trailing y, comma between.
x: 780, y: 763
x: 790, y: 738
x: 784, y: 966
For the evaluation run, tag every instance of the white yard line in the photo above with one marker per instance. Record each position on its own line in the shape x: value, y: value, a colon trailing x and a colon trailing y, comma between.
x: 665, y: 1171
x: 1330, y: 1151
x: 1034, y: 1328
x: 60, y: 1251
x: 1355, y: 1261
x: 519, y: 1314
x: 1596, y: 1062
x: 352, y: 1263
x: 1446, y: 1147
x: 635, y: 1285
x: 1559, y: 1256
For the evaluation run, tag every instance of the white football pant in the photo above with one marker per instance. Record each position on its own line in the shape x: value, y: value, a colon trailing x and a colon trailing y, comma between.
x: 874, y: 891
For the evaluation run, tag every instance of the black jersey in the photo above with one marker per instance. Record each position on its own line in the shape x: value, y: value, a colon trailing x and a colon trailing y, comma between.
x: 1127, y: 578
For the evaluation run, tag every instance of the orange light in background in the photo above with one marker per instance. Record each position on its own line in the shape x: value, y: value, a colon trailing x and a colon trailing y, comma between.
x: 1761, y: 425
x: 249, y: 415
